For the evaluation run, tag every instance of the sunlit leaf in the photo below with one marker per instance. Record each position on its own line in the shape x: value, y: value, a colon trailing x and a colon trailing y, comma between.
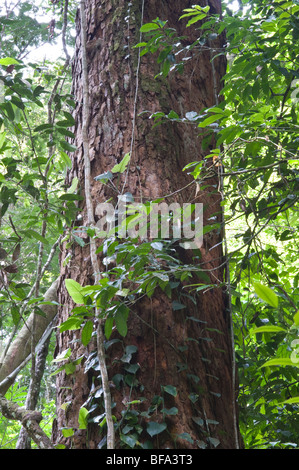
x: 74, y: 289
x: 266, y: 294
x: 268, y: 329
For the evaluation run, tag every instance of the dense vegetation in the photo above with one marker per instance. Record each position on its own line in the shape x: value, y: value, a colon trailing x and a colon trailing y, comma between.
x: 256, y: 155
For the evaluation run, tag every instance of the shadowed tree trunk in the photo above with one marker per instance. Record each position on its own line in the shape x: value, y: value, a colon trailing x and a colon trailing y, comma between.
x: 24, y: 441
x: 184, y: 357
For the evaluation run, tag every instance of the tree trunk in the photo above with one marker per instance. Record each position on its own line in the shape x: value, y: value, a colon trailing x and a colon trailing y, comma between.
x: 24, y: 441
x: 184, y: 356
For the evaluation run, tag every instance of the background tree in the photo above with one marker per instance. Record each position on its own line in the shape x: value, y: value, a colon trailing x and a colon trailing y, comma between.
x: 31, y: 220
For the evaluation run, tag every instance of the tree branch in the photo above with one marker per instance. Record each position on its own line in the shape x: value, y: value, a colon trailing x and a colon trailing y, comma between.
x: 29, y: 419
x: 21, y: 346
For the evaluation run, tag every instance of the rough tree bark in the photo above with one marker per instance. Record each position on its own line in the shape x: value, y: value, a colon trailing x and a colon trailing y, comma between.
x: 24, y: 441
x: 165, y: 339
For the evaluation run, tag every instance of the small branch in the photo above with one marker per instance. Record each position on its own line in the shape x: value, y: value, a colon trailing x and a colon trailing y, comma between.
x: 20, y: 348
x: 14, y: 228
x: 10, y: 378
x: 29, y: 419
x: 64, y: 27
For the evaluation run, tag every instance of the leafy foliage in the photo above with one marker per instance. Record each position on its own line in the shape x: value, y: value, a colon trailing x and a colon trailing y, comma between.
x: 35, y: 113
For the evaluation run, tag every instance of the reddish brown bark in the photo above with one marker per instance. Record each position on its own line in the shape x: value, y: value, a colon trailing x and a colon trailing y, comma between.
x: 193, y: 356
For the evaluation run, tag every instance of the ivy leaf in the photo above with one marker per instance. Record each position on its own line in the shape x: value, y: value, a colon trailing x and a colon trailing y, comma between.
x: 170, y: 389
x: 154, y: 428
x: 198, y: 420
x: 215, y: 442
x: 186, y: 436
x: 82, y: 418
x: 171, y: 411
x: 177, y: 305
x: 104, y: 177
x: 120, y: 167
x: 67, y: 432
x: 129, y: 440
x: 266, y: 294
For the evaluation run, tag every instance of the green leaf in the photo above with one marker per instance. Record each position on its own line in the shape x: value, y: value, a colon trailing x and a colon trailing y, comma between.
x: 72, y: 323
x: 177, y: 305
x: 120, y: 167
x: 87, y: 332
x: 149, y: 27
x: 268, y: 329
x: 15, y: 315
x: 198, y: 421
x: 69, y: 117
x: 43, y: 127
x: 129, y: 440
x: 171, y: 411
x: 67, y: 432
x: 170, y: 389
x: 121, y: 317
x: 74, y: 184
x: 296, y: 318
x: 186, y: 436
x: 63, y: 355
x: 79, y: 240
x: 74, y: 289
x: 9, y: 109
x: 9, y: 61
x: 266, y: 294
x: 104, y: 177
x: 71, y: 197
x: 209, y: 120
x: 291, y: 400
x: 280, y: 361
x: 36, y: 235
x: 214, y: 441
x: 68, y: 147
x: 64, y: 158
x: 154, y: 428
x: 82, y: 418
